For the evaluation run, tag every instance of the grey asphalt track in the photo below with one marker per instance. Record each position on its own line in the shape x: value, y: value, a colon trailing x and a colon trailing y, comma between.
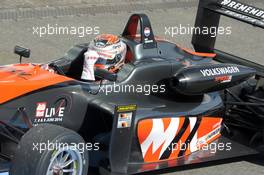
x: 19, y: 18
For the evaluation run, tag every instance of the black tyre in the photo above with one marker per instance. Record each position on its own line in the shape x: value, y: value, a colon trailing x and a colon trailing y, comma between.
x: 61, y: 155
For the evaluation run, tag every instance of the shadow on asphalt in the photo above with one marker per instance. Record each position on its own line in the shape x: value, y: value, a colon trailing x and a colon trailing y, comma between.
x: 256, y: 159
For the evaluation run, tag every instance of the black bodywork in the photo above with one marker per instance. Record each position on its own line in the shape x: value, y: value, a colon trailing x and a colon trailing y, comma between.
x: 93, y: 113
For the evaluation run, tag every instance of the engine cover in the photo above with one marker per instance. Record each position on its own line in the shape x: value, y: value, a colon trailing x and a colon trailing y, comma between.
x: 197, y: 80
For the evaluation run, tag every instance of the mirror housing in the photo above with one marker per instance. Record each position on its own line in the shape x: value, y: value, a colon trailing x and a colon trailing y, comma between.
x: 22, y: 52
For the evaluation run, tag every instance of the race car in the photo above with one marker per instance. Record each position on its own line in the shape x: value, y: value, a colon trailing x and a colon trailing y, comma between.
x: 173, y: 106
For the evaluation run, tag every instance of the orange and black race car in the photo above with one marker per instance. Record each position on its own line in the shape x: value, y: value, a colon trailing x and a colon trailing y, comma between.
x: 174, y: 107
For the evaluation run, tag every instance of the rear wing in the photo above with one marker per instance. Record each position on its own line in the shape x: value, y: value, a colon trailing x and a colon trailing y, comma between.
x: 208, y: 15
x: 239, y: 11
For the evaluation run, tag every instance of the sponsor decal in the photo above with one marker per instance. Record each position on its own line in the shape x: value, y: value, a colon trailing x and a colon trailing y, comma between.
x: 244, y: 17
x: 223, y: 79
x: 126, y: 108
x: 147, y: 31
x: 124, y: 120
x: 170, y: 138
x: 205, y: 139
x: 219, y: 71
x: 41, y: 108
x: 240, y: 7
x: 125, y: 115
x: 148, y: 41
x: 46, y: 113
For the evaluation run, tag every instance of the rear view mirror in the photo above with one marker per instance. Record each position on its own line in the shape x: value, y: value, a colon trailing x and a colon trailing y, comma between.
x: 22, y: 52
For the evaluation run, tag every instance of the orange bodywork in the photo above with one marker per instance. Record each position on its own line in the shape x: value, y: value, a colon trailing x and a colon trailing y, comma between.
x: 200, y: 54
x: 20, y: 79
x: 156, y: 136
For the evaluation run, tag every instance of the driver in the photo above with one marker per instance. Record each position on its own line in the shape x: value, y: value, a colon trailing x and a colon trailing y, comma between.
x: 106, y: 52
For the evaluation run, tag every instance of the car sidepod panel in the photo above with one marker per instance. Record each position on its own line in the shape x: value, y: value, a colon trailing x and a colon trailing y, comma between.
x: 61, y: 104
x: 169, y: 138
x: 199, y: 123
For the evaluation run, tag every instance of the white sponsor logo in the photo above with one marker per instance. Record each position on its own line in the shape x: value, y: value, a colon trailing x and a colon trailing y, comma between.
x: 219, y: 71
x: 159, y: 136
x: 49, y: 114
x: 43, y: 111
x: 52, y: 111
x: 225, y: 2
x: 193, y: 143
x: 244, y: 8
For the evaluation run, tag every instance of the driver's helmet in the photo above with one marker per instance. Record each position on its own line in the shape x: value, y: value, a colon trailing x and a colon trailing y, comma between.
x: 111, y: 51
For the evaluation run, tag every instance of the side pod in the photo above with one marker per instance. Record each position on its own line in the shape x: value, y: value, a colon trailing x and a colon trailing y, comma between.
x: 197, y: 80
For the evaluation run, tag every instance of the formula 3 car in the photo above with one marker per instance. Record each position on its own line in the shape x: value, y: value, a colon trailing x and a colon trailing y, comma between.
x: 166, y: 107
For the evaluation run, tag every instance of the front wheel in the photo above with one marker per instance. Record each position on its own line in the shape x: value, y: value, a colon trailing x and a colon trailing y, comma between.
x: 50, y: 150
